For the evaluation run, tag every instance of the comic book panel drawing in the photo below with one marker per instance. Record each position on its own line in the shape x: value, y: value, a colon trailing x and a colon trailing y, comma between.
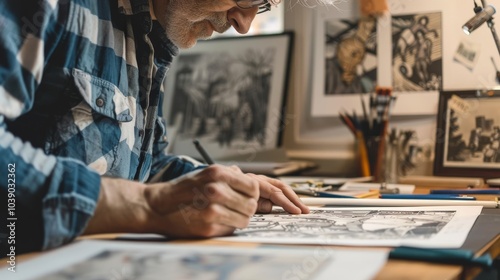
x: 349, y: 224
x: 223, y: 98
x: 350, y: 56
x: 123, y: 264
x: 417, y: 52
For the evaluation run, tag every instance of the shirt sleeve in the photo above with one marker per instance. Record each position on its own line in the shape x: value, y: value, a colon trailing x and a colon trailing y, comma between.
x: 167, y: 166
x: 50, y: 199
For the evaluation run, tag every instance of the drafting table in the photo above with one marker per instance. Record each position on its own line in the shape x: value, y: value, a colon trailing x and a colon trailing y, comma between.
x: 483, y: 238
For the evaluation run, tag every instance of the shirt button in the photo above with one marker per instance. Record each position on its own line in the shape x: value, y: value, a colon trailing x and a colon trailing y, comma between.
x: 99, y: 102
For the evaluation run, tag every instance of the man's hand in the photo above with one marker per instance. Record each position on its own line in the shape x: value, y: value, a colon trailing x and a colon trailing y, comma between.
x: 275, y: 192
x: 211, y: 202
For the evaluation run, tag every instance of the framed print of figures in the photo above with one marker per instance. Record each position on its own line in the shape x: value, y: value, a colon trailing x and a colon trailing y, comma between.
x: 468, y: 134
x: 229, y: 93
x: 345, y: 63
x: 417, y: 63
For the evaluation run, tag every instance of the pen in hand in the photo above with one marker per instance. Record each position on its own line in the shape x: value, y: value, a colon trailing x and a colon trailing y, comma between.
x: 203, y: 152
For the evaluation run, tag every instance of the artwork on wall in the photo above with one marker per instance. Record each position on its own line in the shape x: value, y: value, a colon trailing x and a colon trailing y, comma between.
x: 229, y: 94
x: 468, y: 134
x: 344, y: 63
x: 417, y: 63
x: 350, y: 56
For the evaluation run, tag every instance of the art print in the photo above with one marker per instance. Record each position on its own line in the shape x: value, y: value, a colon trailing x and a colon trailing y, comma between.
x: 468, y: 134
x: 417, y: 54
x: 229, y: 94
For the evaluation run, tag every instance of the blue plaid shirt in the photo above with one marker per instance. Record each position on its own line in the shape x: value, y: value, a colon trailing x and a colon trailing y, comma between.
x: 80, y: 86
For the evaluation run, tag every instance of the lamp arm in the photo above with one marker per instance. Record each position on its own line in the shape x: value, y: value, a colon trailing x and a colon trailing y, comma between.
x: 491, y: 25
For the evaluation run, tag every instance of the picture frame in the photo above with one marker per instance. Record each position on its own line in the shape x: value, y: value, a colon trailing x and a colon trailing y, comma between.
x: 338, y: 83
x: 468, y: 134
x: 229, y: 93
x: 369, y: 72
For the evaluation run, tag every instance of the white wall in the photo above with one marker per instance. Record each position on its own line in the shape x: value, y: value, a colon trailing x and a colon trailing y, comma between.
x: 325, y: 138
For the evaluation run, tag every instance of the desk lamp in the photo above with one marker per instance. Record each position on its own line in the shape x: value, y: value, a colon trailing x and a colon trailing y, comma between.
x: 483, y: 14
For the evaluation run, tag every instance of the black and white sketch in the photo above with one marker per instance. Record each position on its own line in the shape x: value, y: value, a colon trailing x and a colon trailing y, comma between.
x: 342, y: 224
x: 417, y: 52
x: 473, y: 138
x: 468, y: 134
x: 229, y: 93
x: 441, y: 227
x: 350, y: 56
x: 118, y: 264
x: 114, y: 260
x: 223, y: 98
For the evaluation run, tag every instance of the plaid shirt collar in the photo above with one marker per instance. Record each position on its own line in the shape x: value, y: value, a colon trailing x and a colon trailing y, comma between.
x: 134, y: 7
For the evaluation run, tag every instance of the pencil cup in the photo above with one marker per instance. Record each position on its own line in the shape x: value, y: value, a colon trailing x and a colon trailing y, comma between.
x: 392, y: 164
x: 376, y: 155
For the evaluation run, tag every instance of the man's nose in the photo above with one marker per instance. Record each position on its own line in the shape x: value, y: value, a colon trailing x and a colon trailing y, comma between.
x: 241, y: 19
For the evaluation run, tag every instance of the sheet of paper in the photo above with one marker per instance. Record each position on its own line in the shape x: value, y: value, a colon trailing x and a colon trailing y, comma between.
x: 355, y: 186
x: 426, y: 227
x: 95, y: 260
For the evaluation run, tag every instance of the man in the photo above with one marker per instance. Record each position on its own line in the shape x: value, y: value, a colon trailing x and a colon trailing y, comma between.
x: 81, y: 131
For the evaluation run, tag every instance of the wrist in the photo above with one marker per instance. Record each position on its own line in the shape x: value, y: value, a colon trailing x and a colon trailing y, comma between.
x: 121, y: 207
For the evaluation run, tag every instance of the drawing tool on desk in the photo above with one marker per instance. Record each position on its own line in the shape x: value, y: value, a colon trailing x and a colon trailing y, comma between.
x: 367, y: 202
x: 468, y: 191
x: 320, y: 194
x: 370, y: 194
x: 426, y: 196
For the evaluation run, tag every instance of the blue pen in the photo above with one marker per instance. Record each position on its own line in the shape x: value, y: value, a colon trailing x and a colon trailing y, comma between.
x: 327, y: 194
x: 467, y: 191
x: 321, y: 194
x: 426, y: 196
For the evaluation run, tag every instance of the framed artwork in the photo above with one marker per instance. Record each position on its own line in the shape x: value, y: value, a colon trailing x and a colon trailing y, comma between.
x: 417, y: 52
x: 468, y: 134
x: 345, y: 63
x: 229, y: 93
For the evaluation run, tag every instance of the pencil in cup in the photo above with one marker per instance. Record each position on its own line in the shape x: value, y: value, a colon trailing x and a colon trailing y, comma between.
x: 363, y: 154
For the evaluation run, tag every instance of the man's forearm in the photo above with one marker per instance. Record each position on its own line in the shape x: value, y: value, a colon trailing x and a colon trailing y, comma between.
x: 121, y: 208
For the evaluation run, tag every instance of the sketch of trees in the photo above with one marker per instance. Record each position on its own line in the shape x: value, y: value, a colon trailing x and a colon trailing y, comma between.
x: 223, y: 98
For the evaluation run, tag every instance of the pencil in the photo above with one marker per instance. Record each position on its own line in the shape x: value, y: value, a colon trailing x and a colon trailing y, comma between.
x: 363, y: 154
x: 203, y: 152
x: 347, y: 121
x: 372, y: 194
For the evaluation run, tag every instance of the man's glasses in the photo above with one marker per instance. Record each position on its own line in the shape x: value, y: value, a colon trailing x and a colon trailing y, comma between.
x: 264, y: 5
